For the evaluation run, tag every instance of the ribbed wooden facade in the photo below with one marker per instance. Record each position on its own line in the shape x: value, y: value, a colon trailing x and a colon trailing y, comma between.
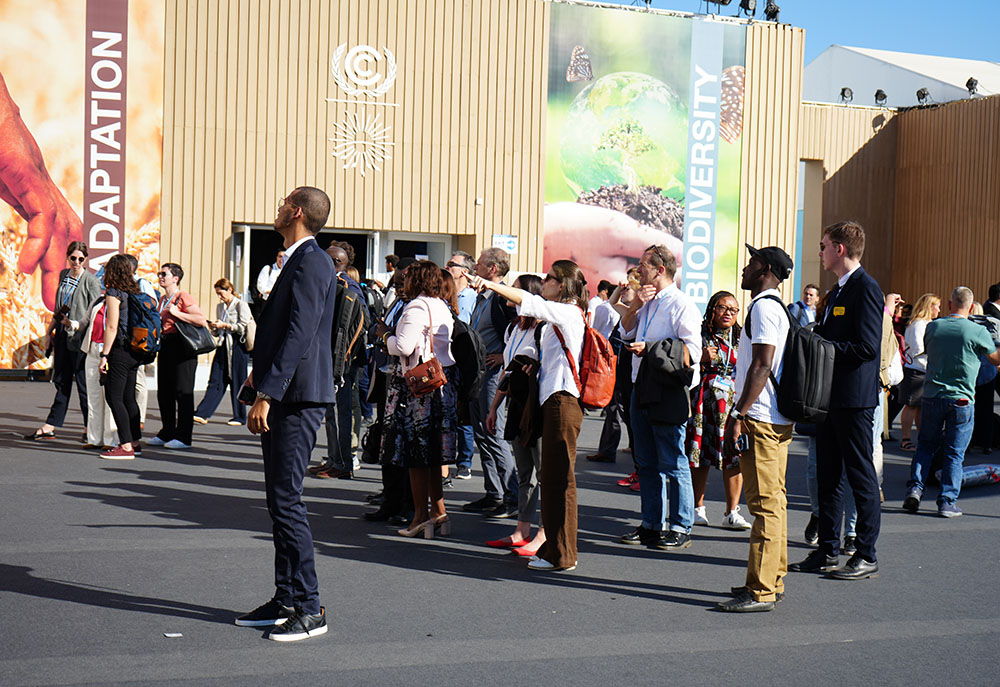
x: 246, y: 119
x: 925, y: 184
x: 770, y: 157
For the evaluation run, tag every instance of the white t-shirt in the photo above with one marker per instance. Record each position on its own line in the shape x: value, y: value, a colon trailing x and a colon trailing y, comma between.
x: 519, y: 342
x: 555, y: 374
x: 605, y: 318
x: 671, y: 314
x: 914, y: 340
x: 770, y: 326
x: 593, y: 303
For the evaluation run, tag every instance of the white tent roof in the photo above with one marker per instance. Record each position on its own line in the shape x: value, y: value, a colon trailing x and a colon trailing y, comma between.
x: 953, y: 71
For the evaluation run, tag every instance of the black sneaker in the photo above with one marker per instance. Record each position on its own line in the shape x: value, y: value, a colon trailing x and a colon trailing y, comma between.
x: 640, y: 536
x: 300, y: 625
x: 503, y: 512
x: 487, y: 503
x: 673, y: 540
x: 911, y: 504
x: 812, y: 531
x: 272, y: 613
x: 850, y: 546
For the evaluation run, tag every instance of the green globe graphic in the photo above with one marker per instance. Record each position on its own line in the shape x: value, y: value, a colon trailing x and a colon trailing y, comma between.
x: 625, y: 128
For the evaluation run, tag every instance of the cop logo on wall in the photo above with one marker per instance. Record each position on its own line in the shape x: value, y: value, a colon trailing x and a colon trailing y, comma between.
x: 361, y: 139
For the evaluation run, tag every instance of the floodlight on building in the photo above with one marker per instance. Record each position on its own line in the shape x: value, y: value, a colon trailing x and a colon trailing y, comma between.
x: 748, y: 6
x: 846, y: 95
x: 880, y: 97
x: 972, y: 85
x: 771, y: 11
x: 715, y: 2
x: 923, y: 95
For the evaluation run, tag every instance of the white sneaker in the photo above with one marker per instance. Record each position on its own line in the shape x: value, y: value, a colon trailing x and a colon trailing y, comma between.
x: 735, y: 521
x: 155, y: 441
x: 176, y: 443
x: 542, y: 564
x: 700, y: 516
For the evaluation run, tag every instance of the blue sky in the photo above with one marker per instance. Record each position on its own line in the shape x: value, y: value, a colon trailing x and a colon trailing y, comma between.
x: 960, y: 28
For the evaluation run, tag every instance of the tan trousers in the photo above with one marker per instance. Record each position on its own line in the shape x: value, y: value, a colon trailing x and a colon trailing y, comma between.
x: 561, y: 420
x: 101, y: 428
x: 763, y: 466
x: 141, y: 392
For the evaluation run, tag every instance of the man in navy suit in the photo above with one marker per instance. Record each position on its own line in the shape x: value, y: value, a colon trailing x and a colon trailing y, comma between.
x: 293, y: 377
x: 852, y: 320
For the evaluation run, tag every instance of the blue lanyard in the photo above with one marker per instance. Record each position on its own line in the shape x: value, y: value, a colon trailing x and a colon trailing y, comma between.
x: 650, y: 314
x: 479, y: 316
x: 517, y: 343
x: 392, y: 311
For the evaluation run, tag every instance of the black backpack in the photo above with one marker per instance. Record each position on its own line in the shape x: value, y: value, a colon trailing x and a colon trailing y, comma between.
x: 469, y: 352
x: 807, y: 371
x: 350, y: 327
x: 373, y: 299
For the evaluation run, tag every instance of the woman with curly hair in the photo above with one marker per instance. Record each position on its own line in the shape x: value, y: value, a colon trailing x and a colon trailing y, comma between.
x: 422, y: 428
x: 710, y: 404
x: 118, y: 364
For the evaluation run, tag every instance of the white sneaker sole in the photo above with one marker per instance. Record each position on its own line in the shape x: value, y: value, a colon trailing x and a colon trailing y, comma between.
x: 736, y: 526
x: 260, y: 623
x: 132, y: 457
x: 300, y: 635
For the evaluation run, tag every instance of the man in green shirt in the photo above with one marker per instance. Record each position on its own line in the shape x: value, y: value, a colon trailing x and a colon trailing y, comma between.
x: 953, y: 345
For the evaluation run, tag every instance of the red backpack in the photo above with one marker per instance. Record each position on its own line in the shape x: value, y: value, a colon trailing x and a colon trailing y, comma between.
x: 596, y: 380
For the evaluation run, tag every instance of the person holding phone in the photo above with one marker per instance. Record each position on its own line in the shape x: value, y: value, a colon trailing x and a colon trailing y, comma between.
x: 77, y: 289
x: 759, y: 434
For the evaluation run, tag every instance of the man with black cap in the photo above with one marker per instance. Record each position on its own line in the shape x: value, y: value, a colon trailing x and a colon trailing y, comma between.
x: 852, y: 321
x: 758, y: 431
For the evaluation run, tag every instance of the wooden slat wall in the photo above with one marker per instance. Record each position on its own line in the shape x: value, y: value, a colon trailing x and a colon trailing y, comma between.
x: 770, y: 155
x: 245, y: 120
x: 857, y: 146
x: 947, y: 208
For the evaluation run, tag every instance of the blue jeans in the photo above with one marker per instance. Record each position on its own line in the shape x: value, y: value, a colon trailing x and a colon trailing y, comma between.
x: 943, y: 423
x: 466, y: 445
x: 659, y: 454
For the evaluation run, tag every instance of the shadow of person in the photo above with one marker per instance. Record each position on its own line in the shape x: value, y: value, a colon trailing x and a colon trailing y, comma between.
x: 18, y: 579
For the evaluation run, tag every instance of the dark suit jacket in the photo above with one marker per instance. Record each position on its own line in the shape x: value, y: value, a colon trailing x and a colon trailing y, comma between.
x: 991, y: 310
x: 661, y: 387
x: 292, y: 361
x: 853, y: 322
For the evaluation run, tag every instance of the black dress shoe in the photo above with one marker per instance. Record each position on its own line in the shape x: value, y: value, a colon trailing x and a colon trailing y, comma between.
x: 400, y: 519
x: 487, y: 503
x: 850, y: 546
x: 815, y: 562
x: 812, y: 531
x: 745, y: 603
x: 737, y: 591
x: 857, y: 568
x: 640, y: 536
x: 504, y: 511
x: 600, y: 458
x: 380, y: 515
x: 673, y: 540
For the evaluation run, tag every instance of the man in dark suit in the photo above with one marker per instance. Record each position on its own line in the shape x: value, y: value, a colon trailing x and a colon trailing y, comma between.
x: 992, y: 306
x: 293, y: 377
x: 852, y: 320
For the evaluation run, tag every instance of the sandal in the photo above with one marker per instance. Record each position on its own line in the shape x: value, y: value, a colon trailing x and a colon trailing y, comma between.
x: 907, y: 445
x: 38, y: 435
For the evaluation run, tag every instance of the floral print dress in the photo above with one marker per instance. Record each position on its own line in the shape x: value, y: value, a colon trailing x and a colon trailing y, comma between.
x: 711, y: 401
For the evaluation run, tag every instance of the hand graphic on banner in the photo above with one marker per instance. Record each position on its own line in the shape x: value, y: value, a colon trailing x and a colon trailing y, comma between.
x: 26, y: 186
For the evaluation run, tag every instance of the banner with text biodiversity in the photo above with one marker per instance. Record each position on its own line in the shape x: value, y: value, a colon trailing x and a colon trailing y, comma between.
x: 645, y: 117
x: 75, y: 76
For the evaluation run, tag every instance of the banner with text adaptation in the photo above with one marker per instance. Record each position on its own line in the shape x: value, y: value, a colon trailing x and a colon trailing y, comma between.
x: 645, y: 117
x: 81, y: 125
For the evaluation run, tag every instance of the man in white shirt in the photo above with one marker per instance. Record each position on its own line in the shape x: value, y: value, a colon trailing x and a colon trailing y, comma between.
x: 604, y: 289
x: 758, y: 431
x: 269, y: 274
x: 603, y: 316
x: 660, y: 314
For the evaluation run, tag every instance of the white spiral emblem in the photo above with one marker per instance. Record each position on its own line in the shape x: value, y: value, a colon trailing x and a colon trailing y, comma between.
x: 357, y: 73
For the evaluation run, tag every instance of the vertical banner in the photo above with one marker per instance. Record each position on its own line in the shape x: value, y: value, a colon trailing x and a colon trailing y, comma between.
x: 645, y: 114
x: 73, y: 128
x: 104, y: 128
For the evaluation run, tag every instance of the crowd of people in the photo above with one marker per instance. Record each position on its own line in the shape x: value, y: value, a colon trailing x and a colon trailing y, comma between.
x: 442, y: 361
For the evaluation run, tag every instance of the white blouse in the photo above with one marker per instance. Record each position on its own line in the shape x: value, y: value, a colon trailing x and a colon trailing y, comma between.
x: 554, y: 373
x: 519, y: 342
x: 914, y: 340
x: 412, y: 337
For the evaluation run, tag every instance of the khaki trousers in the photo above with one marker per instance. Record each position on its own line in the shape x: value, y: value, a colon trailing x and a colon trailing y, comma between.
x: 763, y: 465
x: 561, y: 420
x: 101, y: 428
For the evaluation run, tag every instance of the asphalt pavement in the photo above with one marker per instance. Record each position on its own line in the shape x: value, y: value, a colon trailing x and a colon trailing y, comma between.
x: 102, y: 559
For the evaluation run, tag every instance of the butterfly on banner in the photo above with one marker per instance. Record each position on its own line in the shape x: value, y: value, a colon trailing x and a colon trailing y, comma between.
x: 579, y: 68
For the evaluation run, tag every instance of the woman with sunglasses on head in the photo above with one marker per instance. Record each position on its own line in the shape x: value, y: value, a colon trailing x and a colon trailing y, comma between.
x: 710, y: 404
x: 519, y: 379
x: 78, y: 288
x: 562, y: 305
x: 176, y: 364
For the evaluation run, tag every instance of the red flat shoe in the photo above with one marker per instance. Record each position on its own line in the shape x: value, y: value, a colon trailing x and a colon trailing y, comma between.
x: 635, y: 486
x: 505, y: 544
x: 526, y: 552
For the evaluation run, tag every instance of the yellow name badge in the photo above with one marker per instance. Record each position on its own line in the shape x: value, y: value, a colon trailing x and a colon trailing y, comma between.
x: 838, y: 310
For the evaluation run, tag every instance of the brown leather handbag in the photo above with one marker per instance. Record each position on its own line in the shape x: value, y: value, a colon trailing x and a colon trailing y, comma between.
x: 429, y: 374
